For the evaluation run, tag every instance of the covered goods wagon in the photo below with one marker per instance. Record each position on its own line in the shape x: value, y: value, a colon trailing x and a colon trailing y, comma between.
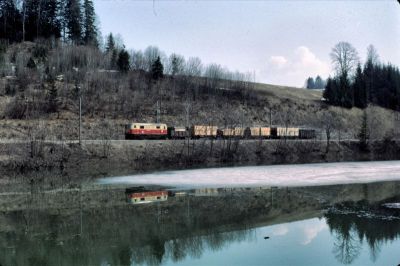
x: 233, y: 132
x: 259, y: 132
x: 287, y: 132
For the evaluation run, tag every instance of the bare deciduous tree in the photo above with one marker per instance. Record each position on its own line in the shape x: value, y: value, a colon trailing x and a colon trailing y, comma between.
x: 175, y: 65
x: 329, y: 123
x: 194, y: 67
x: 345, y: 58
x: 372, y: 55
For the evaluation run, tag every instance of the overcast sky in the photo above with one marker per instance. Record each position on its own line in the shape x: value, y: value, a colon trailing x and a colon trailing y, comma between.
x: 282, y: 42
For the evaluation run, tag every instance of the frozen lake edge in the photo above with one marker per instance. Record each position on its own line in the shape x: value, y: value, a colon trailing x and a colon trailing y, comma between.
x: 271, y: 175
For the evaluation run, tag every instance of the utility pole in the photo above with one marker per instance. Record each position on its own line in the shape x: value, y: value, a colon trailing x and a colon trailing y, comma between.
x: 78, y: 90
x: 187, y: 111
x: 270, y: 116
x: 80, y: 118
x: 80, y: 207
x: 158, y: 112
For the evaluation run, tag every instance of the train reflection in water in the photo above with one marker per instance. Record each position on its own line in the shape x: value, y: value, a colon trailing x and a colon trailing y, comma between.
x: 141, y: 195
x: 98, y: 227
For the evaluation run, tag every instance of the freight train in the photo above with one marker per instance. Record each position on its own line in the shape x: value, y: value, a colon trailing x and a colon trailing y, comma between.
x: 162, y: 131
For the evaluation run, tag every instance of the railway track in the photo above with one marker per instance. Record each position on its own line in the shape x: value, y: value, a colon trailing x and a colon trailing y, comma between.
x: 119, y: 141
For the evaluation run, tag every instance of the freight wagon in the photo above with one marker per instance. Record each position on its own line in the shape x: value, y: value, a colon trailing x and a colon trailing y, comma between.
x: 287, y: 132
x: 237, y: 132
x: 305, y: 133
x: 178, y: 132
x: 202, y: 131
x: 258, y: 132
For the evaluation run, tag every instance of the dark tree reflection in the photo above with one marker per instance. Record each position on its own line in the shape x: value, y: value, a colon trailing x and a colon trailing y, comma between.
x: 350, y: 230
x: 346, y: 247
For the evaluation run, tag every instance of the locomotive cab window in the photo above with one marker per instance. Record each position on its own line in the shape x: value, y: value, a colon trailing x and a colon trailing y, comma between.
x: 158, y: 127
x: 142, y: 127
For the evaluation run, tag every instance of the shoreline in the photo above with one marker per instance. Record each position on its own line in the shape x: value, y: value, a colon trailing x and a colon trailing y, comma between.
x: 55, y: 165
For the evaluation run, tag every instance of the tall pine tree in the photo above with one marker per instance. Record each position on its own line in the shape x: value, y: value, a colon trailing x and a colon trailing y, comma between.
x: 40, y: 19
x: 49, y: 21
x: 363, y: 135
x: 310, y: 84
x: 10, y: 22
x: 319, y: 83
x: 331, y: 91
x: 359, y: 89
x: 157, y: 69
x: 89, y: 28
x: 123, y: 61
x: 73, y: 16
x: 110, y: 45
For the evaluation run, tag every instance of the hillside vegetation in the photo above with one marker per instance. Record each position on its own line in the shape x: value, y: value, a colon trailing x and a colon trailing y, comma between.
x: 41, y: 84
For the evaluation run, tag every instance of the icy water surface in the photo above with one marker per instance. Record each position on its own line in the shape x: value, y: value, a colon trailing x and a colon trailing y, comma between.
x: 272, y: 175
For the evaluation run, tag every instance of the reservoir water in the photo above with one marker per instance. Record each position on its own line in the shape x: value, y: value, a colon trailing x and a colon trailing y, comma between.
x: 348, y: 224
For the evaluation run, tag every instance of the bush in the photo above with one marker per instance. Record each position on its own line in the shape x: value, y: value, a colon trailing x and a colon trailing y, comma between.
x: 31, y: 63
x: 16, y: 109
x: 10, y: 90
x: 40, y: 52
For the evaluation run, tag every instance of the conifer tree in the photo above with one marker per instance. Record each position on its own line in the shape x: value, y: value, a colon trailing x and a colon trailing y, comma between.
x: 319, y: 83
x: 310, y: 83
x: 359, y: 89
x: 73, y: 16
x: 10, y: 21
x: 40, y: 19
x: 31, y: 23
x: 90, y: 31
x: 123, y: 61
x: 61, y: 14
x: 49, y: 24
x: 157, y: 69
x: 52, y: 99
x: 363, y: 135
x: 114, y: 59
x: 110, y: 45
x: 329, y: 93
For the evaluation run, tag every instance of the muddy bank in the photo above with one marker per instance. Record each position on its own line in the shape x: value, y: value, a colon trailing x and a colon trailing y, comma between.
x: 68, y: 164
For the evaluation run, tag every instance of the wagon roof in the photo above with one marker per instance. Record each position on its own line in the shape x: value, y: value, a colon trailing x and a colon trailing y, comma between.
x: 148, y: 193
x: 147, y: 124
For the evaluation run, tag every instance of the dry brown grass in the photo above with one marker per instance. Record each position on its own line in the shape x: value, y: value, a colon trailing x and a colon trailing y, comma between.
x: 294, y: 106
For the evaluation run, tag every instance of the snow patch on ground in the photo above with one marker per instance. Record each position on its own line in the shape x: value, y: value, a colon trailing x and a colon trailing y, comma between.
x: 392, y: 205
x: 273, y: 175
